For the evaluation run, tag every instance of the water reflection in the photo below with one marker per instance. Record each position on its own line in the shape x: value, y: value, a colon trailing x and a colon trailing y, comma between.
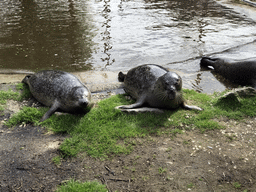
x: 196, y: 85
x: 106, y: 37
x: 45, y: 34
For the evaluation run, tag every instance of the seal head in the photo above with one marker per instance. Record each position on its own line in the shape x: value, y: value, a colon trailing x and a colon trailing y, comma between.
x: 168, y: 85
x: 168, y: 90
x: 242, y: 72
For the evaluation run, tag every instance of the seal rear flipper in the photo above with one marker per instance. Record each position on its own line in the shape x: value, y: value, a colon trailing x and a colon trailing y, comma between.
x: 121, y: 77
x: 52, y: 110
x: 190, y: 107
x: 25, y: 80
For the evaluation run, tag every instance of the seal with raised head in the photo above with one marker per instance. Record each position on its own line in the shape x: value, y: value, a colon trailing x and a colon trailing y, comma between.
x: 153, y: 86
x: 59, y: 90
x: 242, y: 72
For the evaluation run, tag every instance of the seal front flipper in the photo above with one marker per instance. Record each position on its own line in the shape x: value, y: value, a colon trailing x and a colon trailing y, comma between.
x: 142, y: 110
x: 190, y: 107
x: 137, y: 104
x: 52, y: 110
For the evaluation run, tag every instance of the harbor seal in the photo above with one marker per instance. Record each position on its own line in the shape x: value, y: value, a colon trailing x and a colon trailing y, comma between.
x: 61, y: 91
x: 153, y: 86
x: 242, y: 72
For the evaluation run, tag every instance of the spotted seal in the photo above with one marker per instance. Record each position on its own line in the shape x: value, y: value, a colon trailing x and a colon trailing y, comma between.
x: 153, y: 86
x: 61, y: 91
x: 242, y: 72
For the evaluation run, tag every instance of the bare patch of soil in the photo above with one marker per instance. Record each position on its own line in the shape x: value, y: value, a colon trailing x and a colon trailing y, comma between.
x: 219, y: 160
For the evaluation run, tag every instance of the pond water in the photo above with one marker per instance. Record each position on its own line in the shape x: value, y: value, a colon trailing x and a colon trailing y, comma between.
x: 116, y: 35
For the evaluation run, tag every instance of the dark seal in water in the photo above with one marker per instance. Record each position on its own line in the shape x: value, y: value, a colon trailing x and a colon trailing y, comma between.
x: 61, y: 91
x: 242, y: 72
x: 153, y: 86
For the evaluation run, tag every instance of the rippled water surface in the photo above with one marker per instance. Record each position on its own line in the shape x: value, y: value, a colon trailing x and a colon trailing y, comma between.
x: 116, y: 34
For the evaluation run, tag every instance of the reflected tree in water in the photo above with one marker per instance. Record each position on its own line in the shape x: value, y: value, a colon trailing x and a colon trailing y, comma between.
x: 106, y: 36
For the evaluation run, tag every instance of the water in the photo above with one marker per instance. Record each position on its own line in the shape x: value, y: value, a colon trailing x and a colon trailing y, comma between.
x: 116, y: 35
x: 165, y: 32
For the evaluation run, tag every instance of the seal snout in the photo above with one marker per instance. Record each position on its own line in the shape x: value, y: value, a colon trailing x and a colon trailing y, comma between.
x: 207, y: 61
x: 83, y: 102
x: 171, y: 92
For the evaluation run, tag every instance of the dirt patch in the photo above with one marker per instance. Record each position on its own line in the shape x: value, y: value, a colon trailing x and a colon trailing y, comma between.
x: 219, y: 160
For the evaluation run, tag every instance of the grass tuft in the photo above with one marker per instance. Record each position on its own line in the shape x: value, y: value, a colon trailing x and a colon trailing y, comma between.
x: 25, y: 94
x: 77, y: 186
x: 26, y: 115
x: 6, y: 95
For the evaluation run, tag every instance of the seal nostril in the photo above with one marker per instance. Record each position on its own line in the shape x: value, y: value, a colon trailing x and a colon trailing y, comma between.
x: 83, y: 103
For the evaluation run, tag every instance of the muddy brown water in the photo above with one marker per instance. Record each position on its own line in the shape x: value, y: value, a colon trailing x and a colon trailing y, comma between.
x: 77, y: 36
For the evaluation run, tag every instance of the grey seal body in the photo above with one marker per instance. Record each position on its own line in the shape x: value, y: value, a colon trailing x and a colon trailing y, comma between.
x: 61, y: 91
x: 153, y: 86
x: 242, y: 72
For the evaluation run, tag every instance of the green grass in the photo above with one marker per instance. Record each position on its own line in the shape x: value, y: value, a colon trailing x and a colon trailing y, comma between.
x: 103, y: 131
x: 161, y: 170
x: 56, y: 160
x: 236, y: 185
x: 26, y: 115
x: 77, y: 186
x: 12, y: 95
x: 191, y: 185
x: 25, y: 91
x: 6, y: 95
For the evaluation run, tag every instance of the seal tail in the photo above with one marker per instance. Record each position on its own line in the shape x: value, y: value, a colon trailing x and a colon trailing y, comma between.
x: 121, y: 77
x: 25, y: 80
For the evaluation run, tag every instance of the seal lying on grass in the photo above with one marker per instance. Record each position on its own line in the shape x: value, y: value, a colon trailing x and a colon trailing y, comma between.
x: 242, y: 72
x: 153, y: 86
x: 58, y: 90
